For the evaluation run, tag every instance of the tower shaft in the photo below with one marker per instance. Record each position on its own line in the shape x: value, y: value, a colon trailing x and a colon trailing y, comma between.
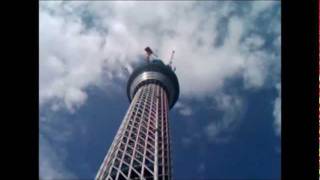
x: 141, y: 148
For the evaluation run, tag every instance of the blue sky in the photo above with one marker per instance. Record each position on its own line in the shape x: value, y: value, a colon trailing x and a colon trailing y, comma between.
x: 226, y: 124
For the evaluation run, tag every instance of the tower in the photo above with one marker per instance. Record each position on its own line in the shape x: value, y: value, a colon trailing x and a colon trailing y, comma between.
x: 141, y: 147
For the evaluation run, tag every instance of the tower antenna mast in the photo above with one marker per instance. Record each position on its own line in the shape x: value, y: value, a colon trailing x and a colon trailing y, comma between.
x: 171, y: 61
x: 171, y: 57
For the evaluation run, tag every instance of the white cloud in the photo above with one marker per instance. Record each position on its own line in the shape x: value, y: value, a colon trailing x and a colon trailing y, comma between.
x: 254, y: 41
x: 260, y: 6
x: 186, y: 111
x: 183, y: 109
x: 232, y: 108
x: 277, y: 111
x: 73, y: 57
x: 256, y: 72
x: 212, y: 130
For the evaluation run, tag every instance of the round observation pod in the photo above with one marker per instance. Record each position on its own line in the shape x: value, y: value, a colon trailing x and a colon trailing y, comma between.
x: 154, y: 72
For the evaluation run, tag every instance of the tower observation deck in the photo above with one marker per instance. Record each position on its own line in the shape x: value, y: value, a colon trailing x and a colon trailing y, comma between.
x: 141, y: 147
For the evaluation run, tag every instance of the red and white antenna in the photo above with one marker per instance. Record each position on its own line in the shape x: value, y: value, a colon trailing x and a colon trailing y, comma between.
x: 171, y: 57
x: 171, y: 61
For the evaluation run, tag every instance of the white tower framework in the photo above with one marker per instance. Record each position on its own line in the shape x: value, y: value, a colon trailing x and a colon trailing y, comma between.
x: 141, y: 147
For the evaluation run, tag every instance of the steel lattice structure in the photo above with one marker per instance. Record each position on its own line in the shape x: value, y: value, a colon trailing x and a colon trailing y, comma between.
x: 141, y: 147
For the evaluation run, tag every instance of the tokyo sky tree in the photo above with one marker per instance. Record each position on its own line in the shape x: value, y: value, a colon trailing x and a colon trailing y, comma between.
x: 141, y: 147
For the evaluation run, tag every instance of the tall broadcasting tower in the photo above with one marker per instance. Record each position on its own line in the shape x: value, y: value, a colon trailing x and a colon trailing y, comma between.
x: 141, y: 147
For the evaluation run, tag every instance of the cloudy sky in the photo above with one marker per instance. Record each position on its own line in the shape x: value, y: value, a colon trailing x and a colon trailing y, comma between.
x: 226, y: 123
